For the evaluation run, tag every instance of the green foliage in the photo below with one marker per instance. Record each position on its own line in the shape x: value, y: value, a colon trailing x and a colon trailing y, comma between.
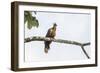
x: 31, y: 20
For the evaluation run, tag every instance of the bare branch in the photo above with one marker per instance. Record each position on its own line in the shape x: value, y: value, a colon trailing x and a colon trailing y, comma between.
x: 85, y: 52
x: 38, y: 38
x: 85, y: 44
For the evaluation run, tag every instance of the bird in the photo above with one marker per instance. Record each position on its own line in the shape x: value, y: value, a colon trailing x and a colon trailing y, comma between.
x: 51, y: 33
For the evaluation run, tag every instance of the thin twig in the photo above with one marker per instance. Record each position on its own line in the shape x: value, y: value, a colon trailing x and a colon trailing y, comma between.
x: 85, y: 52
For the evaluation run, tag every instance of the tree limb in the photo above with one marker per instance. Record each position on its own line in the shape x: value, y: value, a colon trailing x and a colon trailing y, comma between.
x: 38, y: 38
x: 85, y: 52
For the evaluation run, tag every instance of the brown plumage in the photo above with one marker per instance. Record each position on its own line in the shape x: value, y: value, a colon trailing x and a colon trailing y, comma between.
x: 51, y: 34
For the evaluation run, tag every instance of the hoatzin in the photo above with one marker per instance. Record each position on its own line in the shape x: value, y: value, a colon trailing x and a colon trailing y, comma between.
x: 50, y: 34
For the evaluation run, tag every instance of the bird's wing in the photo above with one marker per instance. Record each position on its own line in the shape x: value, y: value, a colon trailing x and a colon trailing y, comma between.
x: 48, y: 33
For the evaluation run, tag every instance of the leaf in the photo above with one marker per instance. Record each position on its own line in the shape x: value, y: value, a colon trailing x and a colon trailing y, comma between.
x: 37, y: 23
x: 25, y: 19
x: 31, y: 20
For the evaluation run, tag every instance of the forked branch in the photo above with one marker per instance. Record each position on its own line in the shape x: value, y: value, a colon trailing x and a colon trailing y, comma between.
x: 38, y: 38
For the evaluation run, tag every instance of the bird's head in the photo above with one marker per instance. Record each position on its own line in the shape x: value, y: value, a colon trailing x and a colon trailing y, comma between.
x: 54, y: 25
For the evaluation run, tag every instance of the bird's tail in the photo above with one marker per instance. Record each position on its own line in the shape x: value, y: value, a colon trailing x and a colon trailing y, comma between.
x: 45, y: 50
x: 47, y: 46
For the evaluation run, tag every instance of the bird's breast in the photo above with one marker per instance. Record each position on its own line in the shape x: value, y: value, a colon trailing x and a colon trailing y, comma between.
x: 52, y: 33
